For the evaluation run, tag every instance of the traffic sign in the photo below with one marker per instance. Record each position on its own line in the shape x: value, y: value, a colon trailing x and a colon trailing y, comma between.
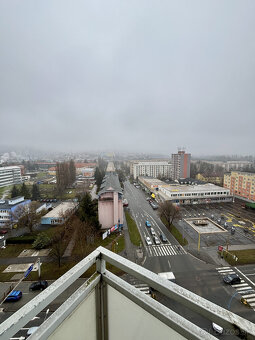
x: 28, y: 270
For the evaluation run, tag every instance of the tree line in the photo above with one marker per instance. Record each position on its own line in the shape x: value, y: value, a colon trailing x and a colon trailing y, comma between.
x: 65, y: 175
x: 24, y: 190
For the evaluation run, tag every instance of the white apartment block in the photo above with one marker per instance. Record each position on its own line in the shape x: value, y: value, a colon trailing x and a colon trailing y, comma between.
x: 150, y: 168
x: 10, y: 175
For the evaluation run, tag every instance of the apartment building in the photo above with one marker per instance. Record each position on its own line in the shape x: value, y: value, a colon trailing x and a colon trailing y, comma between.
x: 180, y: 165
x: 150, y: 168
x: 9, y: 213
x: 10, y: 175
x: 241, y: 184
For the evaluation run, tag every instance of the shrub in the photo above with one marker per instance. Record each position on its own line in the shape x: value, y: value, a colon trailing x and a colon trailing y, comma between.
x: 42, y: 241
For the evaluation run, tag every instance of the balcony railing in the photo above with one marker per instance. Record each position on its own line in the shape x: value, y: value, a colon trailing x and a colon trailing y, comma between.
x: 107, y: 307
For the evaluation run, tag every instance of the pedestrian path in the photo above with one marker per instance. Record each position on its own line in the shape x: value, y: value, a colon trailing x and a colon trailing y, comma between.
x: 165, y: 250
x: 242, y: 288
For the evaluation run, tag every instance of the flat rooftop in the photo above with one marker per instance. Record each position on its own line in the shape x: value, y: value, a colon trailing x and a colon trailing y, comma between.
x: 192, y: 188
x: 60, y: 209
x: 210, y: 228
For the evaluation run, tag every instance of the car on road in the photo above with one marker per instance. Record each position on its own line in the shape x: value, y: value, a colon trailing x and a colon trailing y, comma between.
x: 231, y: 279
x: 154, y: 206
x: 147, y: 223
x: 3, y: 231
x: 39, y: 285
x: 16, y: 295
x: 148, y: 241
x: 156, y: 240
x: 163, y: 238
x: 217, y: 328
x: 153, y: 232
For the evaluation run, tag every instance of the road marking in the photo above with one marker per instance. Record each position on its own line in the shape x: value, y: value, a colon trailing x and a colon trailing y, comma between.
x: 243, y: 288
x: 169, y: 263
x: 240, y: 285
x: 250, y: 300
x: 225, y: 271
x: 245, y: 276
x: 164, y: 250
x: 222, y: 268
x: 248, y: 295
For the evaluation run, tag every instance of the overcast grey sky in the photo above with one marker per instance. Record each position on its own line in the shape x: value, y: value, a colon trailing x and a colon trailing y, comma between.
x: 128, y: 75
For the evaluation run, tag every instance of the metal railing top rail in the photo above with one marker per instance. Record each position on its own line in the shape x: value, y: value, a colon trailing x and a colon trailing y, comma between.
x: 20, y: 318
x: 101, y: 255
x: 188, y: 299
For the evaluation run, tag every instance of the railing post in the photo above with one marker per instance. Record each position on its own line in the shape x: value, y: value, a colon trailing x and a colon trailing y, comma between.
x: 101, y: 303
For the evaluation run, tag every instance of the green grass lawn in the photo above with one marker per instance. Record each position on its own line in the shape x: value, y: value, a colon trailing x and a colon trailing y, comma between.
x: 176, y: 233
x: 3, y: 189
x: 13, y: 250
x: 133, y: 230
x: 245, y: 256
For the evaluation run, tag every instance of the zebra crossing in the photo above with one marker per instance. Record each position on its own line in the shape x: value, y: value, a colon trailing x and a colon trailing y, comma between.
x: 242, y: 288
x: 165, y: 250
x: 143, y: 287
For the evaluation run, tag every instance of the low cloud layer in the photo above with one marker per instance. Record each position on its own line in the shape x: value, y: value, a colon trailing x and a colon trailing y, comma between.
x: 132, y: 76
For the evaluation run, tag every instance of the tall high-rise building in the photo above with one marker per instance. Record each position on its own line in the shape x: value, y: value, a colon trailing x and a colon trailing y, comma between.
x: 180, y: 165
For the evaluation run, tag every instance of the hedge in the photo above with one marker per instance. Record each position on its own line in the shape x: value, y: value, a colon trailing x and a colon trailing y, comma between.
x: 21, y: 239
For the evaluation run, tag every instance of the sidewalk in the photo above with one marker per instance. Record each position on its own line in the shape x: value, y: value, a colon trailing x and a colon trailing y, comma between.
x: 131, y: 252
x: 70, y: 246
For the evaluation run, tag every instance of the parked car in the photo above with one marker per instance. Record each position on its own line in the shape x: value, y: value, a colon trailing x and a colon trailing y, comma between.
x: 231, y: 279
x: 39, y: 285
x: 156, y: 240
x: 14, y: 296
x: 3, y: 231
x: 233, y: 230
x: 147, y: 223
x: 163, y: 238
x: 153, y: 232
x: 148, y: 241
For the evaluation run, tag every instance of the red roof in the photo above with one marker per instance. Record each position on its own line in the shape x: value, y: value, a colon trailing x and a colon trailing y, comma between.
x: 85, y: 165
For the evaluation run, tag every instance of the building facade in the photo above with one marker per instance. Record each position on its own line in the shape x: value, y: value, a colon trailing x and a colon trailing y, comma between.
x: 59, y: 214
x: 211, y: 179
x: 180, y: 165
x: 9, y: 210
x: 150, y: 168
x: 195, y: 194
x: 10, y: 175
x: 110, y: 205
x: 241, y: 184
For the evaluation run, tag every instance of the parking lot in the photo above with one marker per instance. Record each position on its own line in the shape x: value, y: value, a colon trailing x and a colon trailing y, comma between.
x: 238, y: 222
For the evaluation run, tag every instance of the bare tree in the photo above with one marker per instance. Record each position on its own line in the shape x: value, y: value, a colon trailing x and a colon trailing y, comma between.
x: 168, y: 212
x: 57, y: 248
x: 26, y: 215
x: 85, y: 235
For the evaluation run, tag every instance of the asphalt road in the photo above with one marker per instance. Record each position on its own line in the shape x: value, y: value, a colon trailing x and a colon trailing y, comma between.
x: 191, y: 273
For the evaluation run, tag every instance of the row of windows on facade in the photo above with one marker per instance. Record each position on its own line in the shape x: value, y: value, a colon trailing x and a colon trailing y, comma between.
x: 199, y: 194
